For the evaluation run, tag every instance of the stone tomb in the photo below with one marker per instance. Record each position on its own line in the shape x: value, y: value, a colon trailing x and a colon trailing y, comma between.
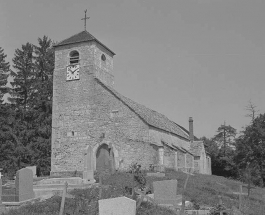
x: 117, y: 206
x: 24, y: 185
x: 34, y: 170
x: 165, y: 192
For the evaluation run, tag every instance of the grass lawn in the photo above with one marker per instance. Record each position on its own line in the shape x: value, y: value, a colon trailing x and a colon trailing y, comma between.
x: 201, y: 190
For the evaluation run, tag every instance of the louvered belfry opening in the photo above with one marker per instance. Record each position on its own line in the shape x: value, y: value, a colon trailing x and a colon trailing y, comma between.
x: 74, y: 57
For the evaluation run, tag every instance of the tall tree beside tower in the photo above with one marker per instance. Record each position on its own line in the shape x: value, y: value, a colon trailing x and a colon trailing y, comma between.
x: 42, y: 109
x: 23, y: 77
x: 4, y: 72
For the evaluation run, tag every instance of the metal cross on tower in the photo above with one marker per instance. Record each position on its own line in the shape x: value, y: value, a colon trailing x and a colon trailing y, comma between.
x: 85, y: 19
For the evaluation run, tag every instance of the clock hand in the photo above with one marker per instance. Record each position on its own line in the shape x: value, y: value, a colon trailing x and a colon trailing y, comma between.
x: 74, y: 71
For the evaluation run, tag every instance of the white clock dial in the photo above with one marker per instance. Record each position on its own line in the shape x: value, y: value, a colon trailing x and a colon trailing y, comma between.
x: 72, y: 72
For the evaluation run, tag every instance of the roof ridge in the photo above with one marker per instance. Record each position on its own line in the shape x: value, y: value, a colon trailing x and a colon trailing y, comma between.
x: 68, y: 38
x: 83, y: 36
x: 89, y: 34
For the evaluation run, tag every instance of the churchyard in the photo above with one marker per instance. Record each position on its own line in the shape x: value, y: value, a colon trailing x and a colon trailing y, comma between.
x: 113, y: 194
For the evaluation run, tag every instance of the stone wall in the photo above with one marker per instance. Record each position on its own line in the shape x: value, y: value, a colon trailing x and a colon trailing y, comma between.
x: 189, y: 160
x: 181, y: 160
x: 197, y: 164
x: 138, y: 152
x: 169, y: 157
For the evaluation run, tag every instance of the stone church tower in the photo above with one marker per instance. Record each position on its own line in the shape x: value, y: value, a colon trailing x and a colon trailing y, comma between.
x: 78, y: 61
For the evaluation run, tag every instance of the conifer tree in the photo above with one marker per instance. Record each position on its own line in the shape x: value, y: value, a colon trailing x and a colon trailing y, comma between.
x: 224, y: 135
x: 25, y: 124
x: 23, y: 76
x: 44, y: 66
x: 4, y: 72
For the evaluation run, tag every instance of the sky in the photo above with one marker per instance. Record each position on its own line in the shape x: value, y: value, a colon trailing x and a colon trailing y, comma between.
x: 183, y: 58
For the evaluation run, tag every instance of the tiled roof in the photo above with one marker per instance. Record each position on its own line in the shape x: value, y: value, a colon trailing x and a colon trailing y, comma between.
x: 83, y: 36
x: 187, y: 151
x: 196, y: 147
x: 178, y: 147
x: 184, y: 129
x: 151, y: 117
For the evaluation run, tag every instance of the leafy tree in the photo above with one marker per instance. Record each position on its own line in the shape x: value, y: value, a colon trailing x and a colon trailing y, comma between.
x: 225, y: 134
x: 250, y: 148
x: 4, y: 72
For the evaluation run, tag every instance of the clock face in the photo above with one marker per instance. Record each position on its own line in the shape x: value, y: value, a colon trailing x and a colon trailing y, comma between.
x: 72, y: 72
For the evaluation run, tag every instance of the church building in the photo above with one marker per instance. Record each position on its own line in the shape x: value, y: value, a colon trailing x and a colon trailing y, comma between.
x: 88, y: 111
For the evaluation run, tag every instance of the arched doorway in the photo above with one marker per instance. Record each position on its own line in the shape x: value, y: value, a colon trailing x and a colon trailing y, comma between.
x: 104, y: 158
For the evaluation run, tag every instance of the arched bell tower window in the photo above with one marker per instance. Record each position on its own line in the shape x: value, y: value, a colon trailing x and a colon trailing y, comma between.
x: 74, y: 57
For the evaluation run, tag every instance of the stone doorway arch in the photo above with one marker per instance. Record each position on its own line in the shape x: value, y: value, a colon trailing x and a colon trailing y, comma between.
x: 102, y: 153
x: 103, y: 158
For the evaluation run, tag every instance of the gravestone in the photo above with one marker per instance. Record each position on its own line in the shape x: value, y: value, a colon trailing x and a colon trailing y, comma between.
x: 34, y: 170
x: 24, y: 185
x: 165, y: 192
x: 117, y: 206
x: 0, y: 191
x: 88, y: 174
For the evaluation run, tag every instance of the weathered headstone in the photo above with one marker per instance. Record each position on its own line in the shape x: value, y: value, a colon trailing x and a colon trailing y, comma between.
x: 165, y: 192
x: 34, y: 170
x: 24, y: 185
x: 0, y: 191
x: 88, y: 174
x: 117, y: 206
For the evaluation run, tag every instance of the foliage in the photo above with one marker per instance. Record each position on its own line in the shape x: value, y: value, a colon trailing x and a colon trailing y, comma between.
x: 4, y: 71
x: 135, y: 169
x: 21, y: 93
x: 221, y: 165
x: 26, y: 123
x: 224, y: 137
x: 250, y: 147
